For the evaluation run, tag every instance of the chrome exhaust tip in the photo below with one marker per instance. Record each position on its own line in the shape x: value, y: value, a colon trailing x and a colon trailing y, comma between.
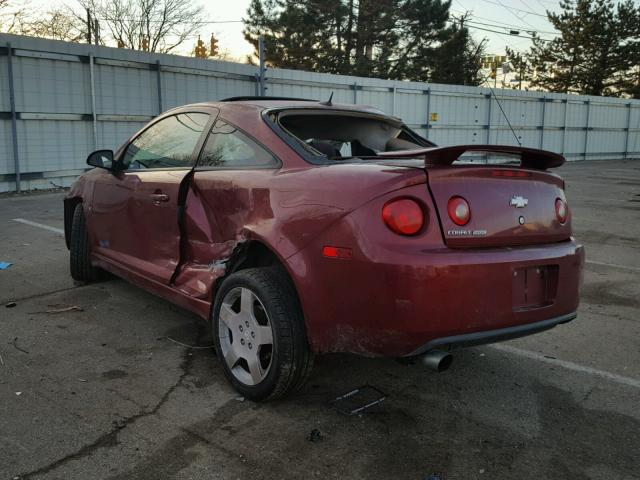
x: 437, y: 360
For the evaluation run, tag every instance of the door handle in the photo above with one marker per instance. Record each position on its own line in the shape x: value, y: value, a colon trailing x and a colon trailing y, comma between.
x: 159, y: 198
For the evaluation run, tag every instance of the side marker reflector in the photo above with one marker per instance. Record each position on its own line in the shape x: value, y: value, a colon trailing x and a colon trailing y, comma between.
x: 337, y: 252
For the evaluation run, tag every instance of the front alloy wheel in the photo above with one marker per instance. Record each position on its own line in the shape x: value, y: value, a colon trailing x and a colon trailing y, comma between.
x: 259, y: 333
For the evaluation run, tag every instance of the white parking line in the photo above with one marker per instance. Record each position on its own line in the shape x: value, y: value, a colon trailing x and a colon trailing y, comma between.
x: 630, y: 382
x: 614, y: 265
x: 39, y: 225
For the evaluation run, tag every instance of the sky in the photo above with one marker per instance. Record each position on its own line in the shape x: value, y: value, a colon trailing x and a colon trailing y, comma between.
x: 489, y: 18
x: 525, y: 16
x: 497, y: 15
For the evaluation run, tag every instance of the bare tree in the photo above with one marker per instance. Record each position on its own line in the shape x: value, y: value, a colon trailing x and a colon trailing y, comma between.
x: 152, y: 25
x: 58, y: 24
x: 13, y: 15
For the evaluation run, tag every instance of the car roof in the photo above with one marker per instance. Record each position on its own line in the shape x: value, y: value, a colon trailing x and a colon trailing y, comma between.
x: 264, y: 103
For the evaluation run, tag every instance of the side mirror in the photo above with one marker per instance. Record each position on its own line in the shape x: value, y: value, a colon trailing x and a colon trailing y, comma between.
x: 101, y: 159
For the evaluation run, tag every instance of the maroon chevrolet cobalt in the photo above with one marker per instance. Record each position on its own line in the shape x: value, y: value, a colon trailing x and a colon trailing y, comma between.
x: 299, y: 227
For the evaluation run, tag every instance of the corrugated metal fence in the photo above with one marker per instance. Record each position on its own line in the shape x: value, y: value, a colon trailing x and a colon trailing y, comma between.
x: 59, y: 101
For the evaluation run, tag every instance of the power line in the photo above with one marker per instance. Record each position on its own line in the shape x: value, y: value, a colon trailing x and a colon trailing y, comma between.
x: 224, y: 21
x: 529, y: 6
x: 516, y: 9
x: 542, y: 5
x: 512, y: 13
x: 504, y: 33
x: 512, y: 27
x: 107, y: 19
x: 467, y: 22
x: 529, y: 28
x: 499, y: 24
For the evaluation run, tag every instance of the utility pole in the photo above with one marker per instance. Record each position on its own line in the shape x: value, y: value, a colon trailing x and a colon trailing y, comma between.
x: 96, y: 31
x: 520, y: 66
x: 89, y: 36
x: 261, y: 77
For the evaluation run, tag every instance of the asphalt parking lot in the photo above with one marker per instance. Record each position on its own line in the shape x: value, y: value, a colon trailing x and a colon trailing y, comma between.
x: 99, y: 391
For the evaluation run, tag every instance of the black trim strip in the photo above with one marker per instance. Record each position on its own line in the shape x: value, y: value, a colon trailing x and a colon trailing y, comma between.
x: 11, y: 177
x: 52, y: 175
x: 493, y: 336
x: 248, y: 98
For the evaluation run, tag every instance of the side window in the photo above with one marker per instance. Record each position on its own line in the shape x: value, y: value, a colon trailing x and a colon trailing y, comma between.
x: 166, y: 144
x: 229, y: 147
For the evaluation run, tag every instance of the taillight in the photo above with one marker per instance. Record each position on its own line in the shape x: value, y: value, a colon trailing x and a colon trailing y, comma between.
x: 562, y: 211
x: 459, y: 211
x: 403, y: 216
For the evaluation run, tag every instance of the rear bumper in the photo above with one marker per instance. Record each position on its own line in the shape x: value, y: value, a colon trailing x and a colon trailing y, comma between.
x: 492, y: 336
x: 401, y: 302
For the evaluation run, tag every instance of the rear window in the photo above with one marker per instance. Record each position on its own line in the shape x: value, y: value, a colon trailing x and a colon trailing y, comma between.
x: 327, y: 135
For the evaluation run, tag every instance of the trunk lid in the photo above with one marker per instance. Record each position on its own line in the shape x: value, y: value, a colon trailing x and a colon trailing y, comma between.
x: 510, y: 205
x: 506, y: 210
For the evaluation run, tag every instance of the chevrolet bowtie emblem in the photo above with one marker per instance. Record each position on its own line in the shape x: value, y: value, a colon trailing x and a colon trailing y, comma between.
x: 519, y: 202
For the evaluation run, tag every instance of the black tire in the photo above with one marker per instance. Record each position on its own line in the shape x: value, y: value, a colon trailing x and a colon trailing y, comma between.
x: 291, y: 360
x: 79, y: 251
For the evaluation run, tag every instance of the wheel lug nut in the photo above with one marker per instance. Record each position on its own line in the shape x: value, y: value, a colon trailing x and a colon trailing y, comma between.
x: 242, y: 341
x: 246, y: 323
x: 253, y: 334
x: 250, y: 346
x: 241, y: 328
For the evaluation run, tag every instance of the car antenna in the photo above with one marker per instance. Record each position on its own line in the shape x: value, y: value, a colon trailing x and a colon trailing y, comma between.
x: 503, y: 112
x: 328, y: 102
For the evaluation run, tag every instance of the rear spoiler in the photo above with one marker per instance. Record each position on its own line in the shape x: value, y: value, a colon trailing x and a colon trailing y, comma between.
x: 529, y: 157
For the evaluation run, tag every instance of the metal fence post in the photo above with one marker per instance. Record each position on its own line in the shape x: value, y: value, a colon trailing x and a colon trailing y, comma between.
x: 626, y: 139
x: 586, y: 129
x: 355, y: 92
x: 94, y: 119
x: 393, y: 101
x: 159, y: 80
x: 261, y: 52
x: 544, y: 111
x: 14, y: 116
x: 564, y: 124
x: 488, y: 96
x: 428, y: 93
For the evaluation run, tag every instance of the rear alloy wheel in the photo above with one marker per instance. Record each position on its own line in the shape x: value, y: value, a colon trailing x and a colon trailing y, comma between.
x: 259, y: 334
x: 245, y: 335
